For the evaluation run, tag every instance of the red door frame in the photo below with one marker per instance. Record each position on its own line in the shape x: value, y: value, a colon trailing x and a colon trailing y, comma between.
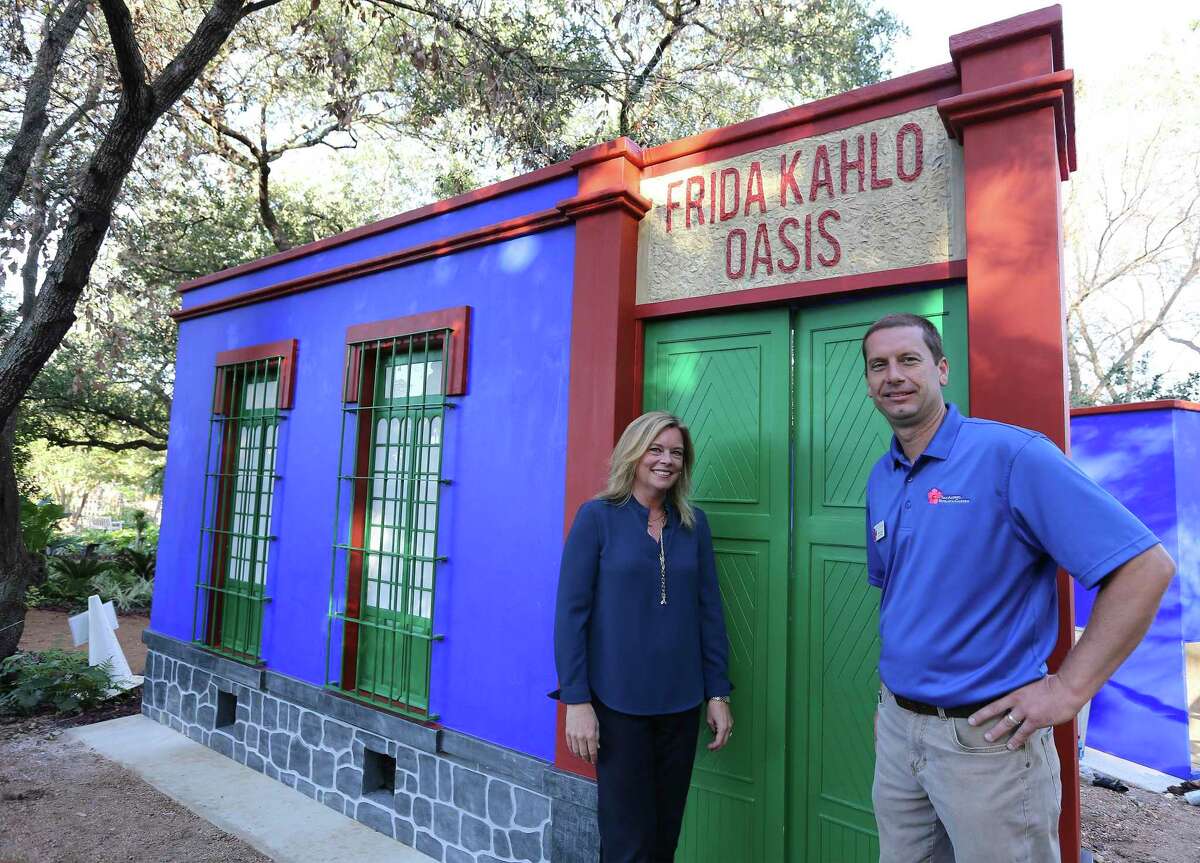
x: 1008, y: 100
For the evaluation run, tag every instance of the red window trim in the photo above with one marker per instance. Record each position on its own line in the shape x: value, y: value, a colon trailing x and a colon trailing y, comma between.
x: 359, y: 340
x: 456, y: 319
x: 283, y: 350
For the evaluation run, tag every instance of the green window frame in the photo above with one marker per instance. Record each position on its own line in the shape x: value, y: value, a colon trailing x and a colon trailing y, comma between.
x: 386, y: 560
x: 251, y: 388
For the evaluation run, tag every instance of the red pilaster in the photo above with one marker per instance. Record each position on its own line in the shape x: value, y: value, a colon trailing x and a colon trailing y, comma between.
x: 603, y: 396
x: 1015, y: 120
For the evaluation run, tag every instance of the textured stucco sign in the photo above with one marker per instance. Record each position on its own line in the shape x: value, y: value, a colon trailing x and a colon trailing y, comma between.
x: 880, y: 196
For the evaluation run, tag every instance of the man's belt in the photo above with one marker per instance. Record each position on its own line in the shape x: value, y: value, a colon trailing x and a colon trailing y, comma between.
x: 960, y: 712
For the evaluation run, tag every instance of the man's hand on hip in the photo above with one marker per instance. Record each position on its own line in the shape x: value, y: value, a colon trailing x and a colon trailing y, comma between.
x: 1041, y: 704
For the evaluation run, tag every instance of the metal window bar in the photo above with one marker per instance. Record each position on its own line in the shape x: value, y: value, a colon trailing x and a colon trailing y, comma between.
x: 383, y: 583
x: 239, y: 490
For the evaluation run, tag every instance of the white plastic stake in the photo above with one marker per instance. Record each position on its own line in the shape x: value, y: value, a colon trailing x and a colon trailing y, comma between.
x: 96, y: 626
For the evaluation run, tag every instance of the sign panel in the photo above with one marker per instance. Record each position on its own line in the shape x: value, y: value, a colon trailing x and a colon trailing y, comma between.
x: 879, y: 196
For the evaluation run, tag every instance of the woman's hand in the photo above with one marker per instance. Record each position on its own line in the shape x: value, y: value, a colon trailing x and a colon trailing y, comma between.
x: 583, y: 732
x: 720, y: 722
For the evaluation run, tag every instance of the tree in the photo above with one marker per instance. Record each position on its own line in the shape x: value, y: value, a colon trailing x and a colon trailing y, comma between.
x: 547, y: 78
x: 145, y: 89
x: 1133, y: 235
x: 512, y: 83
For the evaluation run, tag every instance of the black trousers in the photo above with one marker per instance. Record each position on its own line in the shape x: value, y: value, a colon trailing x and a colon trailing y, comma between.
x: 642, y: 779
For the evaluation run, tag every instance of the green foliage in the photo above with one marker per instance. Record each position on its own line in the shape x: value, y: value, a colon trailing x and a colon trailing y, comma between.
x: 58, y: 679
x: 126, y: 578
x: 139, y: 564
x: 126, y: 591
x: 69, y: 583
x: 39, y: 523
x: 1141, y: 384
x: 113, y: 542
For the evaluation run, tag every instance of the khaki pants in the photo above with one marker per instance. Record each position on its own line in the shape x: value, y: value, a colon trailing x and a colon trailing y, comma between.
x: 944, y: 794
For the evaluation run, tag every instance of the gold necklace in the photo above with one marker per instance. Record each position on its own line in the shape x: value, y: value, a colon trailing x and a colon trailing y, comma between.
x: 662, y: 558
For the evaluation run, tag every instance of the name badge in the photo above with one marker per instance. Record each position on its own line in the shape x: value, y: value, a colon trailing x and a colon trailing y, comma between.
x: 880, y: 530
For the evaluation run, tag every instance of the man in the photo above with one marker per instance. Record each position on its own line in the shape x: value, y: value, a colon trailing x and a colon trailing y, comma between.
x: 967, y: 523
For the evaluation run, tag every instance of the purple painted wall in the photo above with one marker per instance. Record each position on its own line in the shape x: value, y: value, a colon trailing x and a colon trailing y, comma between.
x: 1141, y: 713
x: 511, y: 205
x: 501, y: 518
x: 1187, y: 484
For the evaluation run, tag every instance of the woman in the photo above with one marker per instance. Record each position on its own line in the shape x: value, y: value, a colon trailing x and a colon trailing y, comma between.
x: 639, y: 640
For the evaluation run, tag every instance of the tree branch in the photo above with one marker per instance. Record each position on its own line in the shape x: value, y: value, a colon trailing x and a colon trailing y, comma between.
x: 100, y: 443
x: 34, y: 118
x: 126, y: 50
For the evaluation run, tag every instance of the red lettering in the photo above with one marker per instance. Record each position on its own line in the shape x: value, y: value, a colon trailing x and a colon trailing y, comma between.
x: 829, y: 238
x: 821, y: 164
x: 876, y: 181
x: 762, y: 250
x: 712, y: 197
x: 787, y: 177
x: 741, y: 270
x: 791, y: 247
x: 754, y: 189
x: 694, y: 202
x: 671, y: 205
x: 919, y: 147
x: 858, y: 164
x: 808, y: 242
x: 730, y: 212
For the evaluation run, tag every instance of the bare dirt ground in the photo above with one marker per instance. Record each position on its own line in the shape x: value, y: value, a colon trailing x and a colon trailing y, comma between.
x: 46, y: 629
x: 60, y: 802
x: 1139, y: 826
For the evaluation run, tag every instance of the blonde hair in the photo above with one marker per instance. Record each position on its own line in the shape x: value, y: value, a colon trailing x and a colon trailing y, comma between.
x: 634, y: 442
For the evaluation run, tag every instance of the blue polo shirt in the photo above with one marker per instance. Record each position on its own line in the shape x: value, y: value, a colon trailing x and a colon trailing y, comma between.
x: 965, y: 544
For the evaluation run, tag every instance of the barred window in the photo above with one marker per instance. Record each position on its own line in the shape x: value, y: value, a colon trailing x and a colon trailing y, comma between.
x: 386, y: 558
x: 252, y: 386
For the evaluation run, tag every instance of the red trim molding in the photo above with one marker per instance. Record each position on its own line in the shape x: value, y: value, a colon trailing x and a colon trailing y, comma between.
x: 1055, y: 91
x: 623, y: 199
x: 1027, y: 26
x: 506, y: 230
x: 565, y: 212
x: 602, y: 393
x: 456, y: 321
x: 941, y: 272
x: 1012, y: 166
x: 885, y: 99
x: 477, y: 196
x: 284, y: 351
x: 1133, y: 407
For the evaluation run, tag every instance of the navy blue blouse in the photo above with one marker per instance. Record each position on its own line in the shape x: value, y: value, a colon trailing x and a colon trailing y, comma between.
x: 613, y: 638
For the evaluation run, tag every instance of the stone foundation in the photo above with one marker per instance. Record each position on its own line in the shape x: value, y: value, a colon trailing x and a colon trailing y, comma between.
x: 456, y: 798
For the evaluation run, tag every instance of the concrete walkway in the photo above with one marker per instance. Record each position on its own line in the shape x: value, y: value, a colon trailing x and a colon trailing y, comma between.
x: 276, y: 820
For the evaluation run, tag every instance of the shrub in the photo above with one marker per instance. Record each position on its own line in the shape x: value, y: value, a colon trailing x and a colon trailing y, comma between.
x: 69, y: 582
x: 39, y: 523
x: 139, y: 563
x: 128, y: 592
x: 30, y: 682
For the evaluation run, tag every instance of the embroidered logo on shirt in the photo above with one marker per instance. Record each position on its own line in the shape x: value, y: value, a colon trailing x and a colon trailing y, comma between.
x: 936, y: 496
x: 879, y: 530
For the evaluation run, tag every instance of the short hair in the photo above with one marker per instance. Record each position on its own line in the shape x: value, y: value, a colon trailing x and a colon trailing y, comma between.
x: 930, y: 334
x: 634, y: 442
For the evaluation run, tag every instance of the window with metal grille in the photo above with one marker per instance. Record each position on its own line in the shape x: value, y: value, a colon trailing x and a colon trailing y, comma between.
x: 398, y: 376
x: 252, y: 387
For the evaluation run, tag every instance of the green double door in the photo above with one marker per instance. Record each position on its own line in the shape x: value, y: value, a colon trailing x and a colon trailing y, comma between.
x: 785, y: 438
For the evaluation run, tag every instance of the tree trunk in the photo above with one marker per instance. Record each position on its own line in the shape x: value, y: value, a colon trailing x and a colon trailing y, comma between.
x: 19, y: 570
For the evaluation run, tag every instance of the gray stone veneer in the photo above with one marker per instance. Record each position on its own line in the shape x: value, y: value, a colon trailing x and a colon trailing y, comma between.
x: 456, y: 798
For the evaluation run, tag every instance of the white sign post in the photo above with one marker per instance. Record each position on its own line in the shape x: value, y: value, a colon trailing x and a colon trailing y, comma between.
x: 96, y: 626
